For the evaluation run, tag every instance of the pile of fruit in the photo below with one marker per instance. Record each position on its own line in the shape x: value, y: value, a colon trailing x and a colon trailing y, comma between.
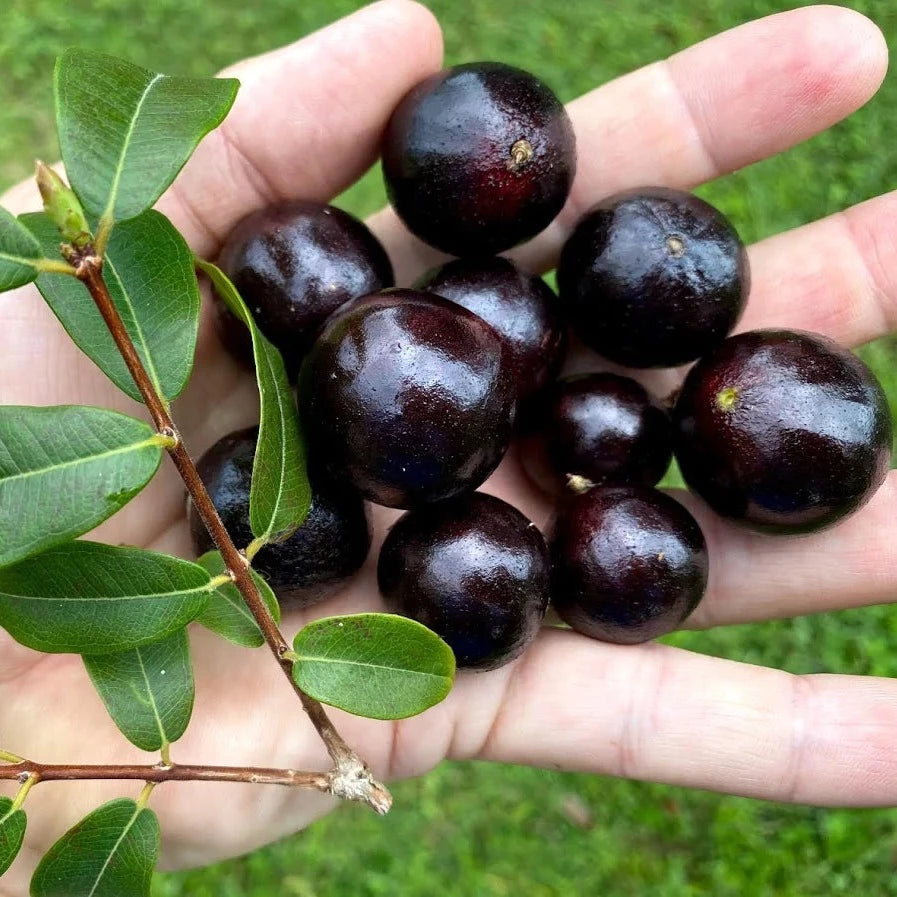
x: 409, y: 398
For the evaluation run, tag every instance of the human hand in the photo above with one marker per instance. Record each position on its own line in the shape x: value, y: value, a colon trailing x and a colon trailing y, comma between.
x: 651, y: 712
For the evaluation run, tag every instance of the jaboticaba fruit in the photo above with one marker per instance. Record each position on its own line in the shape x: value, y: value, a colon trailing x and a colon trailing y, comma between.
x: 628, y: 563
x: 783, y: 431
x: 408, y: 396
x: 472, y: 569
x: 294, y: 264
x: 653, y: 278
x: 478, y: 158
x: 596, y: 429
x: 520, y: 306
x: 324, y: 552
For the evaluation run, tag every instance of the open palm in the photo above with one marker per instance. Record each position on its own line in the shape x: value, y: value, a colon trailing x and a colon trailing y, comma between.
x: 306, y: 124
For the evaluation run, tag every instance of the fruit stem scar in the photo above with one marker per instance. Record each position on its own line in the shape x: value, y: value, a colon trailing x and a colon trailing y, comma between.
x: 726, y: 398
x: 579, y: 484
x: 675, y: 246
x: 521, y: 154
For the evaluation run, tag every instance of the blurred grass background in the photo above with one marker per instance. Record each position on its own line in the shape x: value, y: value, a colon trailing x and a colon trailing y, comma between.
x: 478, y: 831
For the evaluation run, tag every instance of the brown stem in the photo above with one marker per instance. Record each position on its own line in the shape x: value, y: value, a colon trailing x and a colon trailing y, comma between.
x: 175, y: 772
x: 89, y: 269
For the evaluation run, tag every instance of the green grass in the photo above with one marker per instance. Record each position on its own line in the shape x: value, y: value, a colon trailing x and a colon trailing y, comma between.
x: 478, y: 830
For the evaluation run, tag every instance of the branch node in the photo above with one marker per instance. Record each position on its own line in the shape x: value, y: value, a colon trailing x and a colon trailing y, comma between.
x: 352, y: 780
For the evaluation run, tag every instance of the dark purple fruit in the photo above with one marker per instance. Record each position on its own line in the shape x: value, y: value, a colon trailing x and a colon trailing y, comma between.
x: 408, y: 396
x: 294, y: 264
x: 597, y: 429
x: 521, y: 307
x: 653, y: 278
x: 782, y: 431
x: 474, y: 570
x: 628, y: 564
x: 478, y: 158
x: 327, y: 549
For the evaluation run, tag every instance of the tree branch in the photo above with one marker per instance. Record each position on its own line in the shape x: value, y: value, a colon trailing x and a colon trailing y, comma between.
x: 348, y: 767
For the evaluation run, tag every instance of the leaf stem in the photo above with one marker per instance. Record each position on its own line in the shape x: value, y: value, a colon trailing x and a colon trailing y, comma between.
x: 221, y: 580
x: 52, y: 266
x: 7, y: 757
x: 31, y: 779
x: 347, y: 765
x: 143, y: 800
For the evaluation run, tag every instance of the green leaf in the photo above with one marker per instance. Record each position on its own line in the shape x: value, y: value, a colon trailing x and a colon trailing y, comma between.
x: 148, y: 691
x: 18, y: 253
x: 126, y: 132
x: 150, y: 275
x: 227, y: 613
x: 65, y: 469
x: 279, y: 496
x: 89, y: 598
x: 12, y: 833
x: 110, y: 853
x: 377, y: 665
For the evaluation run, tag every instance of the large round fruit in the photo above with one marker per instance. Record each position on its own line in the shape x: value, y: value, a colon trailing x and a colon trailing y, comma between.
x: 294, y: 264
x: 408, y: 396
x: 628, y: 564
x: 783, y: 431
x: 324, y: 552
x: 653, y: 278
x: 474, y: 570
x: 478, y: 158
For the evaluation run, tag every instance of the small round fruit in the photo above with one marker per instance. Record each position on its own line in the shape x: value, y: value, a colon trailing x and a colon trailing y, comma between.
x: 474, y: 570
x: 294, y: 264
x: 628, y: 564
x: 326, y: 550
x: 653, y: 278
x: 521, y: 307
x: 782, y: 431
x: 597, y: 429
x: 478, y: 158
x: 407, y: 395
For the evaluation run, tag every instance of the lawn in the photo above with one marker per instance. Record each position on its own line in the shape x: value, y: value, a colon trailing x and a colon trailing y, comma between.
x: 479, y: 830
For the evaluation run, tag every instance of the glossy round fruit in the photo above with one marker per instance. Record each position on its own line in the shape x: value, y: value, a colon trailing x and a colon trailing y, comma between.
x: 597, y: 429
x: 520, y: 306
x: 327, y: 549
x: 408, y: 396
x: 653, y: 278
x: 478, y: 158
x: 294, y: 264
x: 628, y: 564
x: 782, y: 431
x: 472, y: 569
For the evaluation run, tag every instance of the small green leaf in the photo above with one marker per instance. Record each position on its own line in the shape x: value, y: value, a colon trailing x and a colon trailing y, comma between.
x: 150, y: 275
x: 227, y: 613
x: 12, y: 833
x: 148, y: 691
x: 376, y: 665
x: 19, y: 251
x: 279, y: 496
x: 64, y: 469
x: 126, y: 132
x: 110, y: 853
x: 89, y: 598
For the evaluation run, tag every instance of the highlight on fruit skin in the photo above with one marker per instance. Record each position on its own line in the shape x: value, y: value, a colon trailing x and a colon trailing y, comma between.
x: 478, y: 158
x: 783, y: 431
x: 628, y: 563
x: 653, y: 277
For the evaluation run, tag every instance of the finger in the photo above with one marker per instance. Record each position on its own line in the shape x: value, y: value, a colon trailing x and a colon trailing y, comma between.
x: 836, y: 276
x: 307, y: 120
x: 759, y: 577
x: 720, y: 105
x: 662, y: 714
